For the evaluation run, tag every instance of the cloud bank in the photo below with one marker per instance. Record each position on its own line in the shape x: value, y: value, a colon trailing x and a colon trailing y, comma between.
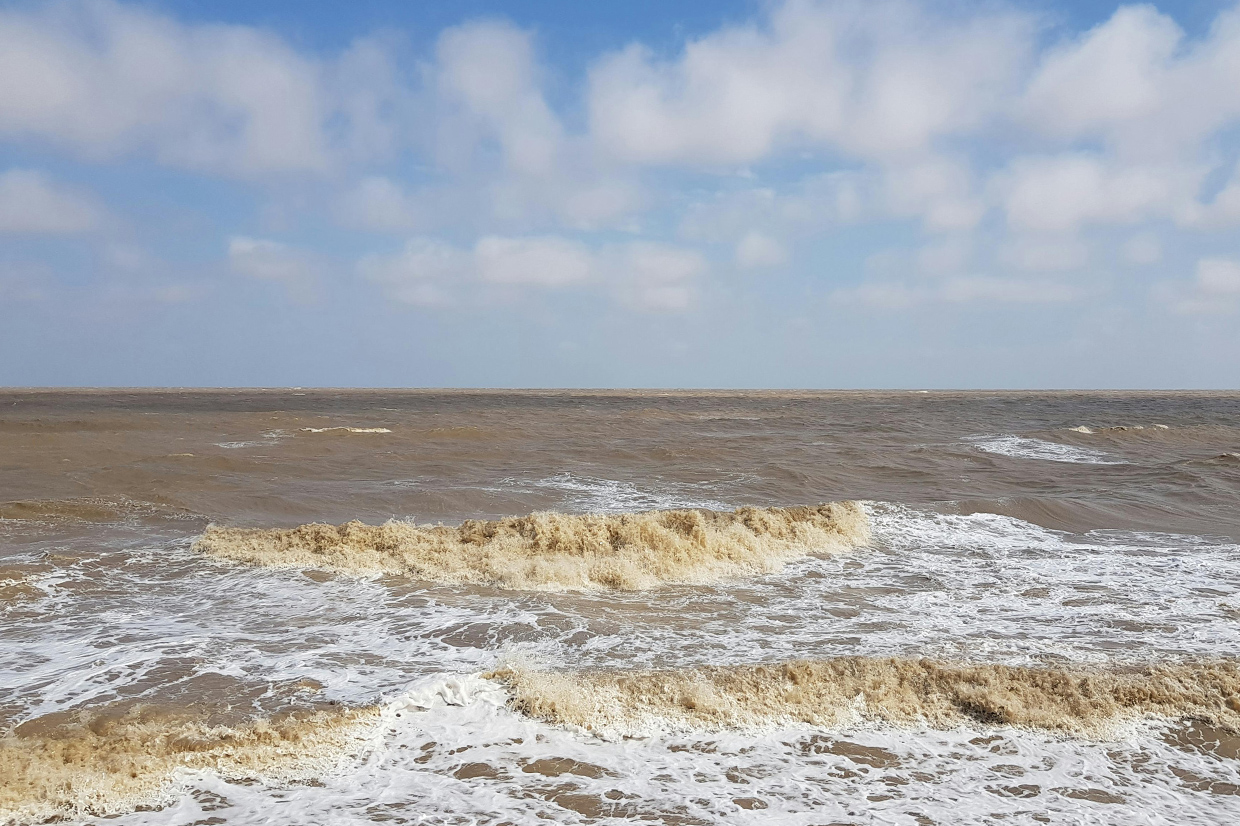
x: 879, y: 158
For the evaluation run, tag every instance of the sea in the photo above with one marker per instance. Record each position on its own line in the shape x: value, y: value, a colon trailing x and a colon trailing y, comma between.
x: 619, y: 607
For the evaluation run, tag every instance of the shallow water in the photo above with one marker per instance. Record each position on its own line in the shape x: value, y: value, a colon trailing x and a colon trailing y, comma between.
x: 1001, y: 533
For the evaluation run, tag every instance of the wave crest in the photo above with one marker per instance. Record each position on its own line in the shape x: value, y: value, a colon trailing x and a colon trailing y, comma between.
x: 826, y: 693
x: 114, y: 760
x: 555, y: 551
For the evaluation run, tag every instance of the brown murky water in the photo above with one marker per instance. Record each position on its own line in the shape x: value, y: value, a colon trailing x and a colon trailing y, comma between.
x: 1073, y: 555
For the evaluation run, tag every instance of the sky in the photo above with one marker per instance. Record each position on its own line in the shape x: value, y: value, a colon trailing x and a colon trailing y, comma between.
x: 545, y: 193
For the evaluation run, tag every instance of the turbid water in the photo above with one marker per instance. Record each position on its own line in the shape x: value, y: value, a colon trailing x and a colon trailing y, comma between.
x: 619, y: 607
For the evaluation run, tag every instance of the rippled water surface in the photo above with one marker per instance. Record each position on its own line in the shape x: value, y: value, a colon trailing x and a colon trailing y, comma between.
x: 1052, y: 531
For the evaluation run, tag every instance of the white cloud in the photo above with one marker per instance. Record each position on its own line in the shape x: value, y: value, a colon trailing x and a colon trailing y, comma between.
x: 539, y: 262
x: 758, y: 251
x: 641, y: 274
x: 30, y: 204
x: 297, y: 269
x: 1062, y: 193
x: 420, y: 274
x: 1006, y: 290
x: 947, y: 256
x: 879, y: 80
x: 1134, y: 82
x: 1113, y: 74
x: 1214, y: 290
x: 1218, y: 276
x: 379, y: 204
x: 1044, y: 252
x: 104, y: 79
x: 489, y: 70
x: 983, y: 290
x: 506, y: 148
x: 654, y: 277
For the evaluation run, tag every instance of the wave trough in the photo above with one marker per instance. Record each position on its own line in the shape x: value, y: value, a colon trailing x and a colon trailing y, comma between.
x: 555, y: 551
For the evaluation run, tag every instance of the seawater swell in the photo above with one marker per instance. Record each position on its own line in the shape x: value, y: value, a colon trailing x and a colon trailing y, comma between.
x: 833, y: 692
x: 555, y: 551
x: 88, y: 509
x: 114, y: 760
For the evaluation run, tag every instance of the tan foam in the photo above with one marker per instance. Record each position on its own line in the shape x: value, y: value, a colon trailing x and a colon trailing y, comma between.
x: 555, y: 551
x: 112, y: 761
x: 902, y: 691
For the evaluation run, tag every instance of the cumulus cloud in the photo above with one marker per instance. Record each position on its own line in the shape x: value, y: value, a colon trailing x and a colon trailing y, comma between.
x: 421, y: 273
x: 758, y: 251
x: 499, y: 137
x: 30, y: 204
x: 957, y: 136
x: 490, y: 71
x: 1215, y: 289
x: 1134, y: 82
x: 655, y: 277
x: 878, y: 80
x: 1044, y: 253
x: 104, y: 79
x: 1152, y: 102
x: 1065, y: 192
x: 538, y: 262
x: 644, y: 275
x: 379, y: 204
x: 298, y: 270
x: 979, y: 290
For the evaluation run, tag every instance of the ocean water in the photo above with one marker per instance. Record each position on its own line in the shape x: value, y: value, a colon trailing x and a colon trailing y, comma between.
x: 608, y: 607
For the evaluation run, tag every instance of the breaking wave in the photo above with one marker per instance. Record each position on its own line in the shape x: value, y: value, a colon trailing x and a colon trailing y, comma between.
x: 345, y: 429
x: 115, y: 760
x: 1114, y: 429
x: 555, y: 551
x: 1026, y: 447
x: 826, y: 693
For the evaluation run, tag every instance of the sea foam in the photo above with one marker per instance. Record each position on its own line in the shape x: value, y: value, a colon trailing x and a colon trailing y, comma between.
x: 556, y: 551
x: 842, y: 690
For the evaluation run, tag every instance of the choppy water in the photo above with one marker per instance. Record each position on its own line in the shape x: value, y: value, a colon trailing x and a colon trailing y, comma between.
x: 1060, y: 531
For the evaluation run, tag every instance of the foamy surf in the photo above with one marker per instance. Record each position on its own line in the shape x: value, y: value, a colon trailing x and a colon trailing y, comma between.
x: 903, y: 691
x: 555, y: 551
x: 1025, y: 447
x: 1086, y: 429
x: 110, y: 760
x: 344, y: 429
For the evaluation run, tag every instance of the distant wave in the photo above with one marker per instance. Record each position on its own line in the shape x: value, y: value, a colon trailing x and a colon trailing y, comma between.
x: 116, y: 759
x: 555, y: 551
x: 345, y: 429
x: 87, y: 509
x: 598, y: 495
x: 269, y: 438
x: 1025, y: 447
x: 1116, y: 429
x: 846, y: 690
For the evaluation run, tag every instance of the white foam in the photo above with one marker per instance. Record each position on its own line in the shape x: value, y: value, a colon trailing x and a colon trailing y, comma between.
x: 977, y: 586
x: 269, y: 438
x: 346, y: 429
x: 597, y: 495
x: 1024, y: 447
x: 477, y: 762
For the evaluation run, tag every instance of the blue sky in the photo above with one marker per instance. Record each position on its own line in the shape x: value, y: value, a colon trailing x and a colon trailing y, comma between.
x: 641, y: 194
